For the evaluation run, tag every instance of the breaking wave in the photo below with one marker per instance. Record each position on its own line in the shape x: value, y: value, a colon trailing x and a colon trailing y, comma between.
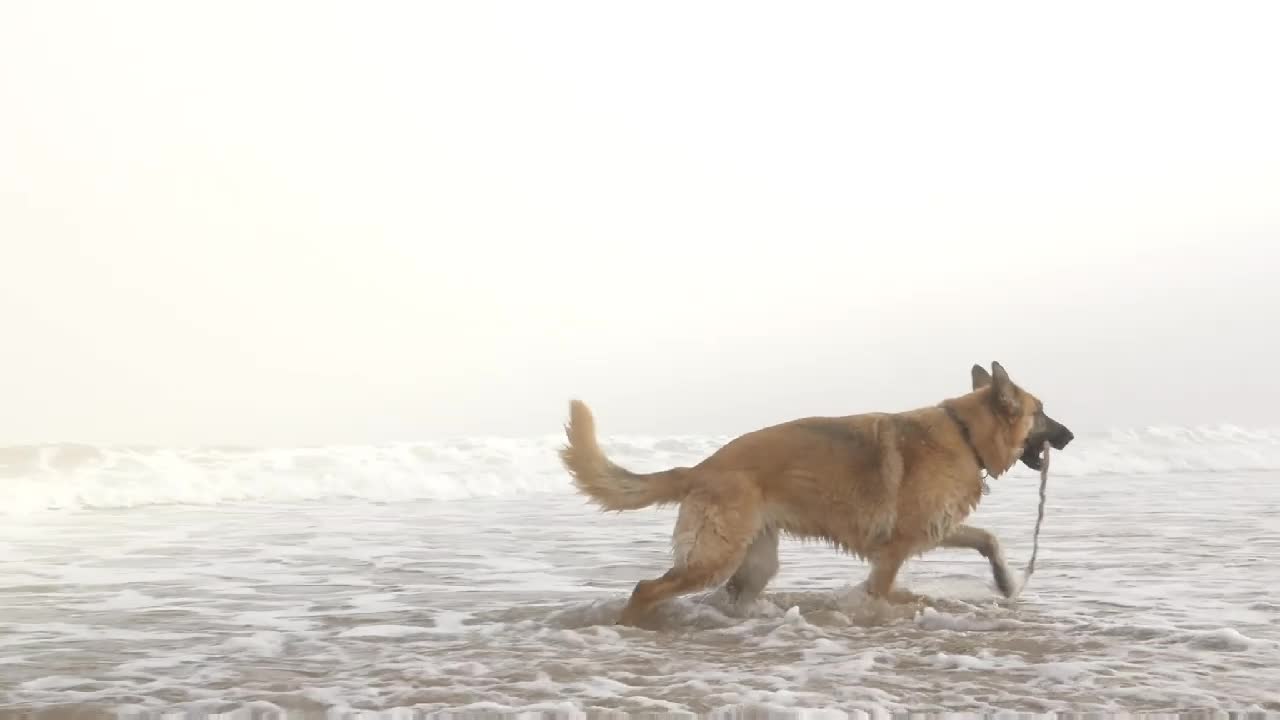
x: 77, y: 476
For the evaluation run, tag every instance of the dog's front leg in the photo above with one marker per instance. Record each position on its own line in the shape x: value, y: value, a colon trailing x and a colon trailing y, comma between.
x: 975, y: 538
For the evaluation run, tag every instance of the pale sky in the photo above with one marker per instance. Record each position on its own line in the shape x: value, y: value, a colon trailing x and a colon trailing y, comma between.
x: 270, y: 222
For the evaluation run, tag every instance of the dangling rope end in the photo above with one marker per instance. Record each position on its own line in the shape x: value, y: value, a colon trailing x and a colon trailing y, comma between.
x: 1035, y: 539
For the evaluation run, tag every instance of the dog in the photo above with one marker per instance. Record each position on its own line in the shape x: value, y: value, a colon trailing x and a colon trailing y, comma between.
x: 881, y: 486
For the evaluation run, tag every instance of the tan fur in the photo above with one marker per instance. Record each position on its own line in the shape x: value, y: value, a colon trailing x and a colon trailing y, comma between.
x: 881, y: 486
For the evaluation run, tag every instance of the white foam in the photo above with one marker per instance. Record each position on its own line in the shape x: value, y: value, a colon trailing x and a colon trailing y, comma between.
x: 1225, y: 639
x: 56, y: 682
x: 70, y: 476
x: 264, y: 643
x: 931, y: 619
x: 1065, y: 673
x: 823, y: 646
x: 948, y: 661
x: 383, y: 631
x: 123, y: 600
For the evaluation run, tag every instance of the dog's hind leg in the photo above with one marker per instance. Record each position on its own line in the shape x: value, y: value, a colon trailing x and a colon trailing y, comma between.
x: 757, y: 569
x: 975, y: 538
x: 884, y: 570
x: 717, y: 521
x: 676, y: 581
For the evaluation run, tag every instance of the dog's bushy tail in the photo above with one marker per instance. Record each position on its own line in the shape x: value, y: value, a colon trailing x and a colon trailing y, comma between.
x: 608, y: 485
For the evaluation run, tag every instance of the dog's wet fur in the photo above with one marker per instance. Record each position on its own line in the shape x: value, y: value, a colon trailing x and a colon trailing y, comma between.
x: 881, y: 486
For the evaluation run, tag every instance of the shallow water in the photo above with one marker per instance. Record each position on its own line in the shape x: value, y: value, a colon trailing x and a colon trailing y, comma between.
x: 1153, y: 593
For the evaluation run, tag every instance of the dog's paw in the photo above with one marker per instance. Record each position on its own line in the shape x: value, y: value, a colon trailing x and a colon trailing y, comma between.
x: 638, y: 621
x: 905, y: 597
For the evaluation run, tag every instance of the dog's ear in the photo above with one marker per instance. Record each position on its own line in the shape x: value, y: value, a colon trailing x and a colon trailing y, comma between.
x: 981, y: 378
x: 1006, y: 395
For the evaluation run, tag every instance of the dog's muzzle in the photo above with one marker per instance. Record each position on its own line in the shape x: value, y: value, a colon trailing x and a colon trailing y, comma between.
x: 1057, y: 435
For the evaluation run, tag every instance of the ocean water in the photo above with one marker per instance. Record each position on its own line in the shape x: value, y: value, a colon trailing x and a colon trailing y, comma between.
x: 465, y: 577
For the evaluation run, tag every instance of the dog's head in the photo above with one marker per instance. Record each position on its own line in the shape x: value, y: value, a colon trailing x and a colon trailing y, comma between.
x: 1023, y: 412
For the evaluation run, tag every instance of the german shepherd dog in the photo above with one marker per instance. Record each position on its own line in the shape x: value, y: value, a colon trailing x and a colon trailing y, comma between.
x: 881, y: 486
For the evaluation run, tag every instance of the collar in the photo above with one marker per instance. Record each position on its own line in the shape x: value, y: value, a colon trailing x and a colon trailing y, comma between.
x: 964, y: 433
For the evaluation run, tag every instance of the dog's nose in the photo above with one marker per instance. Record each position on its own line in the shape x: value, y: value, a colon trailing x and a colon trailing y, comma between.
x: 1065, y: 437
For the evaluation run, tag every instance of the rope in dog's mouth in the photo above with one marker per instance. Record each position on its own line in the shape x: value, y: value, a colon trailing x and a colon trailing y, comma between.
x: 1035, y: 538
